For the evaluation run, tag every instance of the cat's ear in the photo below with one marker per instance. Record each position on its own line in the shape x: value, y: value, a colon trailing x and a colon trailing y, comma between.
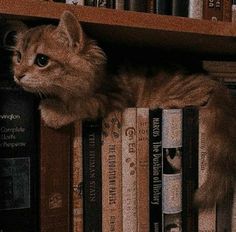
x: 10, y: 31
x: 72, y: 30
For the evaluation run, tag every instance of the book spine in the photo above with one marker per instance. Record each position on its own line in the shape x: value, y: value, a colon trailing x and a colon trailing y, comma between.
x: 172, y: 168
x: 75, y: 2
x: 164, y: 7
x: 77, y: 179
x: 55, y: 179
x: 19, y: 162
x: 155, y: 170
x: 129, y: 167
x: 102, y: 3
x: 224, y: 214
x: 142, y: 169
x: 111, y: 4
x: 206, y: 218
x: 134, y: 5
x: 213, y: 10
x: 90, y: 2
x: 190, y: 168
x: 151, y: 6
x: 227, y: 10
x: 195, y: 9
x: 233, y: 218
x: 92, y: 176
x: 111, y: 173
x: 234, y: 11
x: 120, y: 4
x: 180, y: 8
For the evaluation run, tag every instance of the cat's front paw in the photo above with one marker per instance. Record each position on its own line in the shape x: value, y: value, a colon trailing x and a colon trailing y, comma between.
x: 53, y: 115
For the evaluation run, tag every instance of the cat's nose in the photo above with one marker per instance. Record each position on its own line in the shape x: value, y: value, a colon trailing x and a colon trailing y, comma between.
x: 19, y: 77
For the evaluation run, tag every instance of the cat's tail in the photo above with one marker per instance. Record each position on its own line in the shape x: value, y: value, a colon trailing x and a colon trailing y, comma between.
x: 220, y: 120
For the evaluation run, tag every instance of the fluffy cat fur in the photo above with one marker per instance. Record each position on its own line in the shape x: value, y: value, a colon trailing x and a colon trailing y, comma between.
x: 78, y: 85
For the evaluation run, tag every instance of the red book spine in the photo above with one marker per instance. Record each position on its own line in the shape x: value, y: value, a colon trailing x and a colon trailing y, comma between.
x: 55, y: 179
x: 213, y: 10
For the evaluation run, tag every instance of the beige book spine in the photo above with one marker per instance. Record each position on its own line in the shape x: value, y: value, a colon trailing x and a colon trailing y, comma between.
x: 77, y: 179
x: 206, y: 218
x: 111, y: 173
x: 143, y: 169
x: 129, y: 190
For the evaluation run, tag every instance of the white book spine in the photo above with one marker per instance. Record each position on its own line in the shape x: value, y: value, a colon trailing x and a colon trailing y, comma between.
x: 195, y: 9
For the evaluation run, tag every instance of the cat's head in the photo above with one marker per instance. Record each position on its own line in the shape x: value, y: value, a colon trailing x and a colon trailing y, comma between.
x: 58, y: 60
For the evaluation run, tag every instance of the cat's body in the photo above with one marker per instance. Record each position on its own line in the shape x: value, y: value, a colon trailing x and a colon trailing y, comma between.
x: 70, y: 68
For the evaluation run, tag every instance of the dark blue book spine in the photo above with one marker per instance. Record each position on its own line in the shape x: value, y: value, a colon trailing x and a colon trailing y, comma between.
x: 190, y: 168
x: 180, y: 8
x: 155, y: 169
x: 164, y: 7
x: 92, y: 175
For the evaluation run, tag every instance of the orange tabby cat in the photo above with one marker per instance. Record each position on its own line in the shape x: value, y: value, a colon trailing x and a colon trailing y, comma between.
x: 70, y: 68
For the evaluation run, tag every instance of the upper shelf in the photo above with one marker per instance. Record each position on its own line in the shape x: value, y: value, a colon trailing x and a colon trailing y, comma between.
x: 135, y: 28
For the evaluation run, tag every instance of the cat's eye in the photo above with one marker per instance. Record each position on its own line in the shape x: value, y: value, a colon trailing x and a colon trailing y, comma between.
x: 41, y: 60
x: 18, y: 56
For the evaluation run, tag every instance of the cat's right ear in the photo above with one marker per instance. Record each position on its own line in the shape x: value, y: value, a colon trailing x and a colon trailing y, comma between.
x: 70, y: 27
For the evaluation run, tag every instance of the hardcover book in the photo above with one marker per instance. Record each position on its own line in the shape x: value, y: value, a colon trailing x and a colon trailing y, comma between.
x: 77, y: 179
x: 19, y: 160
x: 180, y: 8
x: 19, y: 151
x: 142, y: 169
x: 129, y: 169
x: 92, y: 175
x: 190, y: 168
x: 195, y: 9
x: 172, y: 168
x: 112, y: 173
x: 213, y: 10
x: 155, y: 170
x: 55, y: 175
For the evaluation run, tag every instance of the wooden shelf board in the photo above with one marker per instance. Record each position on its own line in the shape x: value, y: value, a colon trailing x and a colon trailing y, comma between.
x: 135, y: 28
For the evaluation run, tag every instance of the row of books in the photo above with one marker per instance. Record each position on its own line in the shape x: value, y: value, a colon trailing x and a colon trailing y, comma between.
x: 84, y: 178
x: 129, y: 171
x: 216, y: 10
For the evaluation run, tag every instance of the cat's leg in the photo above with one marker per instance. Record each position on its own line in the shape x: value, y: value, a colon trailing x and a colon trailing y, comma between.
x: 55, y: 114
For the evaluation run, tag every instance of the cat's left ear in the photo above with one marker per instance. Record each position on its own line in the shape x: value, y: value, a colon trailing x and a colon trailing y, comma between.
x: 71, y: 28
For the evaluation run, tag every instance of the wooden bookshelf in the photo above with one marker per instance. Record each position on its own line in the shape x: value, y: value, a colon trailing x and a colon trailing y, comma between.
x: 135, y: 28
